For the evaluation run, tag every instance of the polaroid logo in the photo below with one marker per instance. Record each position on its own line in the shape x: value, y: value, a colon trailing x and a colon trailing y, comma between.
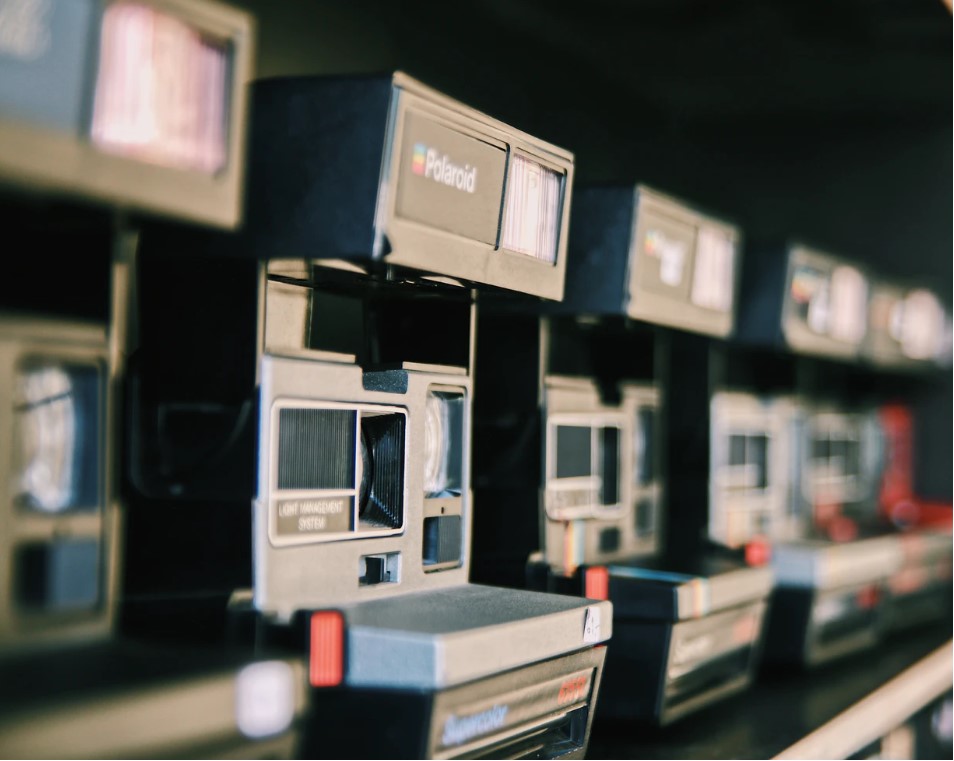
x: 693, y: 649
x: 459, y: 730
x: 433, y: 165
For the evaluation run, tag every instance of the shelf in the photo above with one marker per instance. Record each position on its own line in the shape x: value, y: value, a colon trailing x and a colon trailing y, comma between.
x: 831, y: 712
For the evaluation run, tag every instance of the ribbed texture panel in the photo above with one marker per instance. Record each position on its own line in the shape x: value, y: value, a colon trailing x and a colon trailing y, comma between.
x: 442, y: 539
x: 316, y: 449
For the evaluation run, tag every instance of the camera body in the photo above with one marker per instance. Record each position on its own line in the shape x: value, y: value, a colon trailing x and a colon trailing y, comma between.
x: 832, y: 559
x: 920, y: 590
x: 301, y: 421
x: 601, y: 494
x: 750, y: 463
x: 585, y: 387
x: 802, y: 299
x: 360, y: 232
x: 842, y: 458
x: 376, y: 515
x: 383, y: 170
x: 644, y: 255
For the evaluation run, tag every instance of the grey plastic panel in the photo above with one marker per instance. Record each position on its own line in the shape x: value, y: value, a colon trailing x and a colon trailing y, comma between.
x: 810, y: 312
x: 317, y: 570
x: 828, y: 565
x: 574, y: 536
x: 684, y: 266
x: 469, y: 249
x: 740, y: 506
x: 466, y: 632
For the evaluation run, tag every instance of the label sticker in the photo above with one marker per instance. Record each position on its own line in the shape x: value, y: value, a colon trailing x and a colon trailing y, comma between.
x: 450, y: 180
x: 592, y: 630
x: 460, y: 729
x: 314, y: 515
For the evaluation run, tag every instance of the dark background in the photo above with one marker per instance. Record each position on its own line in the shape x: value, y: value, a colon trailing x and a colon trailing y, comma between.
x: 829, y: 122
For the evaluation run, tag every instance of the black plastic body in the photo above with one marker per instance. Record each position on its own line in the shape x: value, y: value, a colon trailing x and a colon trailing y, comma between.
x: 323, y: 137
x: 506, y: 477
x: 762, y: 295
x: 191, y: 418
x: 796, y: 637
x: 422, y: 724
x: 600, y: 242
x: 638, y: 685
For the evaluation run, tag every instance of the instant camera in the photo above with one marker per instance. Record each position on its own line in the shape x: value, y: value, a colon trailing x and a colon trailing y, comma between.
x: 67, y: 106
x: 302, y: 414
x: 906, y: 331
x: 576, y: 423
x: 830, y: 556
x: 920, y: 591
x: 748, y: 485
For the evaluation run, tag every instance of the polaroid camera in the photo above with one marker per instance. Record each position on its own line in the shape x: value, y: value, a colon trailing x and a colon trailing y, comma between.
x: 830, y: 557
x: 302, y: 416
x: 82, y: 134
x: 920, y: 591
x: 905, y: 336
x: 584, y: 396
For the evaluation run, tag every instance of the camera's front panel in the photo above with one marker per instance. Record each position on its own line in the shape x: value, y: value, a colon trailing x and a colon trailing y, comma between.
x: 362, y: 493
x: 601, y: 492
x: 471, y: 198
x: 56, y: 563
x: 838, y: 471
x: 844, y: 620
x: 682, y: 267
x: 825, y: 305
x: 747, y: 471
x: 543, y: 710
x: 711, y: 657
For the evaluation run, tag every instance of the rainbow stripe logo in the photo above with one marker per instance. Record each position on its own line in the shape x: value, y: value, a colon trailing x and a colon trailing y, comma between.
x: 419, y: 159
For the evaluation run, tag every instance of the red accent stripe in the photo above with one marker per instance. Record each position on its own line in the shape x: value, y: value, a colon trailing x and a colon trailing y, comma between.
x: 758, y: 552
x: 327, y: 649
x: 596, y: 583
